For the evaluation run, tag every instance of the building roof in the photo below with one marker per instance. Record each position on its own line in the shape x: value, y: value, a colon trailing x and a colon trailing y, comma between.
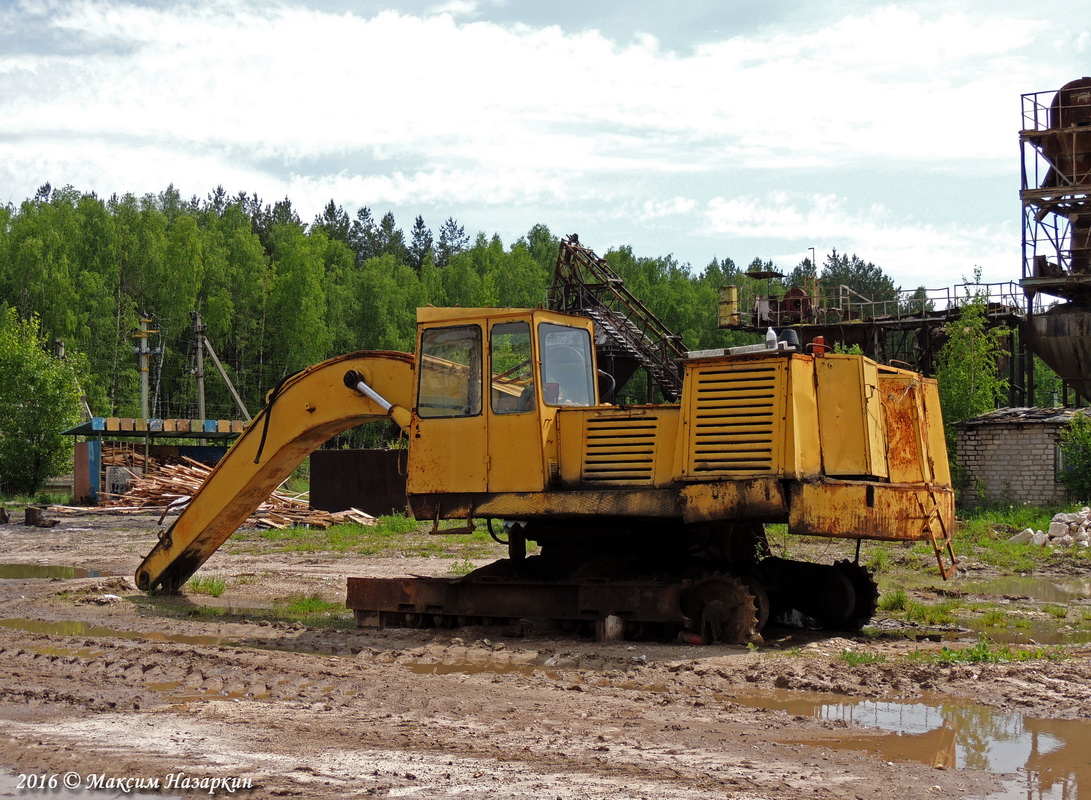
x: 159, y: 428
x: 1023, y: 416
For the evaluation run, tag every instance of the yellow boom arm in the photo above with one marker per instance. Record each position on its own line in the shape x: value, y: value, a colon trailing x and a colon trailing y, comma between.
x: 299, y: 415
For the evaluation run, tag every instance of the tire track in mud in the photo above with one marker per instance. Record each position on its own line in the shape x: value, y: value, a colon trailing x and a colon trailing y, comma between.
x: 608, y: 726
x: 380, y: 702
x: 100, y: 674
x: 108, y: 676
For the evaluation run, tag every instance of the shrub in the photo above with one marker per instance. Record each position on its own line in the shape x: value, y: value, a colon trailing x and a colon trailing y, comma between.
x: 1076, y: 452
x: 39, y: 399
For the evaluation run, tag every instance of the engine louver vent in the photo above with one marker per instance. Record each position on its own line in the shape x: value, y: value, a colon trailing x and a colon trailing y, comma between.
x: 620, y: 451
x: 737, y: 413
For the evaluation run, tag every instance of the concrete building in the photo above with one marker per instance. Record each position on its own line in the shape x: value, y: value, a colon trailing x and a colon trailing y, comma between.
x: 1013, y: 455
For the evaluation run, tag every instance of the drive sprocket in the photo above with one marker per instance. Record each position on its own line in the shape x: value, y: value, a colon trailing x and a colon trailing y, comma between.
x: 722, y: 610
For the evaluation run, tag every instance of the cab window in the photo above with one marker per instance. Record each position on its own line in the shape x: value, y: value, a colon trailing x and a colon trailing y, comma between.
x: 512, y: 367
x: 450, y: 372
x: 568, y: 377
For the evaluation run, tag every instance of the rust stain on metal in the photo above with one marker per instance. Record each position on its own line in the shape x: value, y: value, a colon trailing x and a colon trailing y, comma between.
x: 900, y: 407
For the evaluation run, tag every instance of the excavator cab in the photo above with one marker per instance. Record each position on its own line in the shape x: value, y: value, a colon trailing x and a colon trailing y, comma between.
x: 489, y: 385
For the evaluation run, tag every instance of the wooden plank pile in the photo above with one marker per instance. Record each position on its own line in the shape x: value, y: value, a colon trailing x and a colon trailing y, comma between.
x: 169, y: 487
x: 114, y: 455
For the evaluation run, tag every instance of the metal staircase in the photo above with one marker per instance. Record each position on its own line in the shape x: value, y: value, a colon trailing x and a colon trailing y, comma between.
x: 629, y: 336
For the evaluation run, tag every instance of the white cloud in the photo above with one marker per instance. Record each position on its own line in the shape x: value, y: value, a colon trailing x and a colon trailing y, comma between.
x: 911, y: 251
x: 456, y: 8
x: 297, y: 82
x: 450, y: 110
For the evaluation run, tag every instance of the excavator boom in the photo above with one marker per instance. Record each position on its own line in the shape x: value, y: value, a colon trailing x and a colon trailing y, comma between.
x: 305, y: 410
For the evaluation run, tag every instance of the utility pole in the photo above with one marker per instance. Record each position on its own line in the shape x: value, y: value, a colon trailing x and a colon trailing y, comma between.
x: 203, y: 345
x: 144, y: 354
x: 199, y: 369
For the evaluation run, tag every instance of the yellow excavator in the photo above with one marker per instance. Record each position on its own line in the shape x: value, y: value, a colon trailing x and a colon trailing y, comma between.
x: 650, y: 518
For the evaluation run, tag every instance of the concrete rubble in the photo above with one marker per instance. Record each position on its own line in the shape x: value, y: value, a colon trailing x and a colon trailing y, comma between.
x: 1065, y: 531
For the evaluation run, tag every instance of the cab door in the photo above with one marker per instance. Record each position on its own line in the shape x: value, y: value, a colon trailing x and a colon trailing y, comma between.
x: 448, y: 453
x: 515, y: 432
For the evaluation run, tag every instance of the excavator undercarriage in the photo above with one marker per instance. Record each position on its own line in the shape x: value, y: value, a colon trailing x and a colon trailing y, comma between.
x: 650, y: 592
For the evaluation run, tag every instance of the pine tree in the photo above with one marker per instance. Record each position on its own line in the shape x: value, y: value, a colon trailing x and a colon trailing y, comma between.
x: 335, y: 222
x: 452, y: 241
x: 420, y: 245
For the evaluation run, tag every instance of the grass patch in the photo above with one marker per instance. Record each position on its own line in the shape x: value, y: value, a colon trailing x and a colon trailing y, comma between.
x: 994, y: 618
x: 1055, y: 611
x: 854, y: 658
x: 206, y: 584
x: 895, y: 600
x: 392, y: 536
x: 463, y: 567
x: 208, y: 612
x: 942, y: 613
x: 303, y: 605
x: 18, y: 502
x: 985, y: 534
x: 987, y: 652
x: 879, y: 560
x: 312, y: 610
x: 309, y: 609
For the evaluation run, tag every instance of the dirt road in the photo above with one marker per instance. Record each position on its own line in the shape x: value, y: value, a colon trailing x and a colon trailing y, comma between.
x: 109, y: 687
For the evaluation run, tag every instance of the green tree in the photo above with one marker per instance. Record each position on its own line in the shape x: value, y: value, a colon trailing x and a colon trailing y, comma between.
x: 1076, y: 451
x: 1047, y: 385
x: 863, y: 278
x: 542, y: 246
x: 452, y: 241
x: 420, y: 244
x: 970, y: 382
x: 232, y: 303
x: 917, y: 303
x: 36, y: 408
x: 803, y: 273
x: 298, y: 323
x: 364, y: 236
x: 391, y: 238
x: 388, y: 293
x: 335, y: 222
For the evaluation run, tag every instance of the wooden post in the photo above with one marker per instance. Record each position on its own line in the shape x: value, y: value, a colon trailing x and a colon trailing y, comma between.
x: 611, y: 629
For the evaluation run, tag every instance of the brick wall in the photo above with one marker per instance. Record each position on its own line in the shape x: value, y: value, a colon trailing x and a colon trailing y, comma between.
x: 1010, y: 463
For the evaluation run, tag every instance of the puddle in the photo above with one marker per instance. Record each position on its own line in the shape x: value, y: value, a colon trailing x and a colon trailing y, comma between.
x: 31, y: 571
x: 1030, y: 633
x: 1049, y: 756
x: 480, y: 668
x: 75, y: 628
x: 1050, y: 590
x: 179, y: 695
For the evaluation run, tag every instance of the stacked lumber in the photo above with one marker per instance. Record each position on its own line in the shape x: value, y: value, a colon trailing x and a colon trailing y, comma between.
x: 170, y: 487
x: 128, y: 456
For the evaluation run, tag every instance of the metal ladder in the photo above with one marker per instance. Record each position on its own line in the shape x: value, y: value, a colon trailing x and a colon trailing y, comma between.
x: 584, y: 284
x: 942, y: 542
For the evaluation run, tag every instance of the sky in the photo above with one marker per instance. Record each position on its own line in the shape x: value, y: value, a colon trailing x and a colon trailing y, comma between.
x: 701, y: 129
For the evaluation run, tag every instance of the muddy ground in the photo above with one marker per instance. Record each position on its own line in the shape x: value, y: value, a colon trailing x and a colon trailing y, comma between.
x: 107, y: 685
